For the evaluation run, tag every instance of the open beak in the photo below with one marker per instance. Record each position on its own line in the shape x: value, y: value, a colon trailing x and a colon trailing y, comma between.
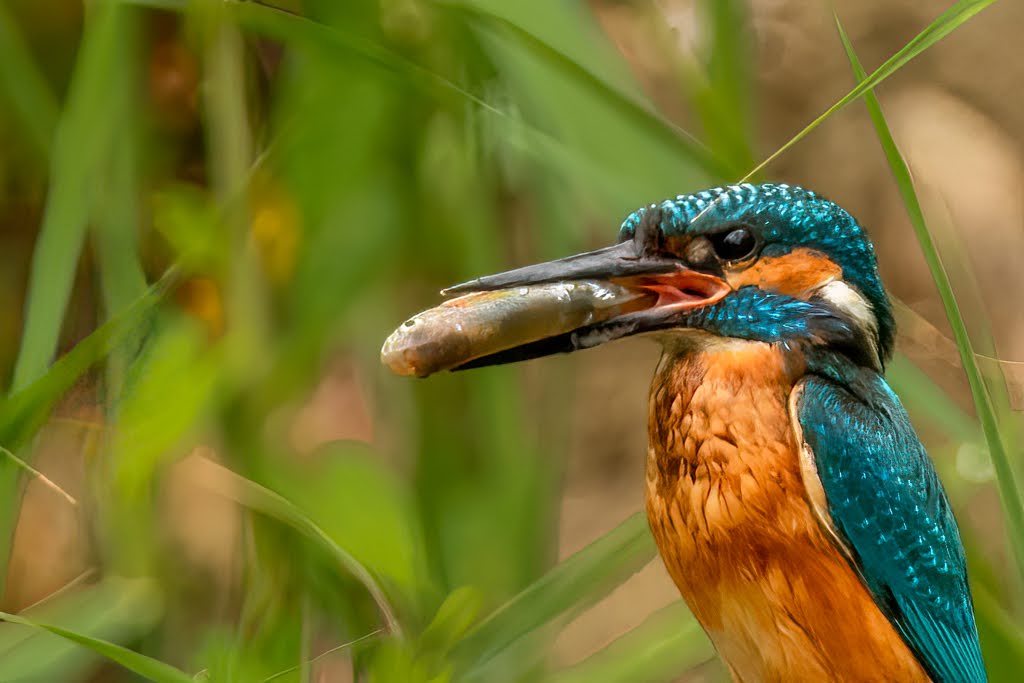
x: 555, y: 307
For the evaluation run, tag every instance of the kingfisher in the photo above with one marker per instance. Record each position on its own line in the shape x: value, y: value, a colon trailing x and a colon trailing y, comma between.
x: 792, y: 502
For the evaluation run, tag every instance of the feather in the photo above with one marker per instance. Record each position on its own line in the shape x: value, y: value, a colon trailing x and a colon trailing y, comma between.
x: 886, y: 506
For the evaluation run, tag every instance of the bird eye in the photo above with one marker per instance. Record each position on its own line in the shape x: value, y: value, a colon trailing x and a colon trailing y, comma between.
x: 734, y: 245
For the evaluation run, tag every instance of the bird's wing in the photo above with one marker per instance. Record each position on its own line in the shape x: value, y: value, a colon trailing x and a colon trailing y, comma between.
x: 878, y: 493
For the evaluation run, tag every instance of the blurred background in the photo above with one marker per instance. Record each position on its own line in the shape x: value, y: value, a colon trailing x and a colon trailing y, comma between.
x: 214, y: 213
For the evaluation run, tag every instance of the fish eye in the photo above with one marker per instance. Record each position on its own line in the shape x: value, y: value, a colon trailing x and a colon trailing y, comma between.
x: 736, y: 244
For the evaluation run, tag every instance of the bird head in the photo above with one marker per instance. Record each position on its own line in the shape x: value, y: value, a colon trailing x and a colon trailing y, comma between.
x: 771, y: 263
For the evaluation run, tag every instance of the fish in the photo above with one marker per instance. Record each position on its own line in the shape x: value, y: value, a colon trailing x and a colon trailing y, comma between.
x: 479, y: 324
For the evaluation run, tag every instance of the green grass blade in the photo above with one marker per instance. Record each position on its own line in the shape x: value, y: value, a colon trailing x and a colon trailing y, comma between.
x: 147, y: 667
x: 942, y: 412
x: 121, y: 272
x: 301, y: 32
x: 1001, y: 642
x: 667, y: 643
x: 25, y: 88
x: 117, y: 210
x: 575, y: 583
x: 323, y: 655
x: 722, y: 95
x: 82, y: 138
x: 933, y: 33
x: 37, y: 475
x: 1009, y: 492
x: 273, y: 505
x: 22, y: 414
x: 115, y: 609
x: 641, y: 114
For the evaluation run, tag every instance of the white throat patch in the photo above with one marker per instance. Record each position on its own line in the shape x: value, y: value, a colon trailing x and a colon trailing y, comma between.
x: 856, y: 307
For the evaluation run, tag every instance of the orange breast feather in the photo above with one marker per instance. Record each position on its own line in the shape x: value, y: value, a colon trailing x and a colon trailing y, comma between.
x: 728, y: 509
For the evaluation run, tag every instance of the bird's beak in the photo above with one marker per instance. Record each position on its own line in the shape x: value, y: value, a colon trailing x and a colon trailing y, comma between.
x: 555, y: 307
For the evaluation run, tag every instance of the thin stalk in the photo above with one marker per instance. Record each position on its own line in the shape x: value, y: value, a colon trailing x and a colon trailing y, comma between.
x: 1009, y: 491
x: 933, y: 33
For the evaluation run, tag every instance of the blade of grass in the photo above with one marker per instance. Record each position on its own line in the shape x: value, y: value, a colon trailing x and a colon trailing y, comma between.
x: 1009, y: 492
x: 720, y: 89
x: 275, y: 506
x: 325, y: 654
x: 642, y: 115
x: 971, y: 298
x: 82, y: 138
x: 26, y: 89
x: 947, y: 22
x: 1001, y: 641
x: 230, y: 157
x: 354, y: 498
x: 115, y: 609
x: 578, y: 581
x: 22, y: 414
x: 552, y: 99
x: 38, y: 476
x: 147, y: 667
x: 943, y: 413
x: 667, y: 643
x: 117, y: 211
x: 298, y: 30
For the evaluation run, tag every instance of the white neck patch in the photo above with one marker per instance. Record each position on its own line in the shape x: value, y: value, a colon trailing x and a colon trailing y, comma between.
x: 848, y: 300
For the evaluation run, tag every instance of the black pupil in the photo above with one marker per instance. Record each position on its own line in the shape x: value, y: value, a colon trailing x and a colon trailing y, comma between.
x: 734, y: 244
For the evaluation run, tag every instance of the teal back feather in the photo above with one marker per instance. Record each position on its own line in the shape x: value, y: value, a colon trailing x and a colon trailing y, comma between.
x: 888, y: 505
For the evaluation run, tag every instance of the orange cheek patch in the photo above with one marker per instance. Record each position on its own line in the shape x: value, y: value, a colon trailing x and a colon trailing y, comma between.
x: 795, y: 273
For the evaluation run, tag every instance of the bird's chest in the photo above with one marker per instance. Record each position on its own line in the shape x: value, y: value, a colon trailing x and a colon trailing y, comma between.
x: 722, y: 463
x: 728, y: 509
x: 724, y: 491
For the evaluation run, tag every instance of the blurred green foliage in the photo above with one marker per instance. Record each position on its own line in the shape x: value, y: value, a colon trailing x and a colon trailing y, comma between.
x: 295, y: 180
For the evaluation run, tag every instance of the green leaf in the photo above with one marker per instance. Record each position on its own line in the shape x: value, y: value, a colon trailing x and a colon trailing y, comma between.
x: 1001, y: 642
x: 37, y: 475
x: 721, y: 91
x: 22, y: 414
x: 933, y: 33
x: 176, y: 363
x: 394, y: 660
x: 167, y: 391
x: 81, y: 142
x: 25, y: 87
x: 454, y: 617
x: 357, y: 502
x: 115, y: 610
x: 923, y: 396
x: 526, y: 22
x: 667, y: 643
x: 187, y: 218
x: 144, y: 666
x: 273, y: 505
x: 574, y: 584
x: 116, y: 211
x: 608, y: 137
x: 1009, y: 491
x: 621, y: 128
x: 323, y: 655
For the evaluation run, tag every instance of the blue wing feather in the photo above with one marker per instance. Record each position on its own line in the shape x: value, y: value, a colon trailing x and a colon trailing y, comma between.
x: 887, y: 504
